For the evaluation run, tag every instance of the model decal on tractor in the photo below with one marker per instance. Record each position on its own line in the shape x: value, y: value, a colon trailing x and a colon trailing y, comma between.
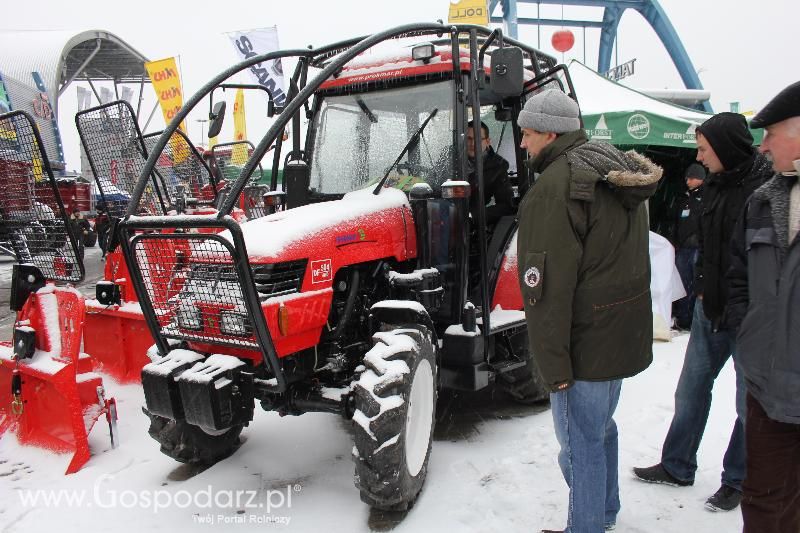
x: 321, y: 271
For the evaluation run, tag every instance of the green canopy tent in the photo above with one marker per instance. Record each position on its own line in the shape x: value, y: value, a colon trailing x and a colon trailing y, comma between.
x: 625, y: 117
x: 662, y: 131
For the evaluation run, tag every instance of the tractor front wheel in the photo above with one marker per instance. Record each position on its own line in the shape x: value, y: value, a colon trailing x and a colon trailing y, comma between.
x: 395, y: 404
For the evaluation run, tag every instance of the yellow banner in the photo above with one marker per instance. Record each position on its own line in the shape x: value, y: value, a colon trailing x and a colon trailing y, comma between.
x: 239, y: 153
x: 167, y: 84
x: 468, y: 12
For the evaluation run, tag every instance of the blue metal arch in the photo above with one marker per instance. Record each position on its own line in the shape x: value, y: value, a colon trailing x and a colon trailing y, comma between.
x: 613, y: 10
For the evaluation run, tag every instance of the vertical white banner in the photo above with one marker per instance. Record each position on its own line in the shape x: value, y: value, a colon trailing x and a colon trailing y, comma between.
x: 269, y: 74
x: 127, y: 95
x: 106, y: 95
x: 81, y: 98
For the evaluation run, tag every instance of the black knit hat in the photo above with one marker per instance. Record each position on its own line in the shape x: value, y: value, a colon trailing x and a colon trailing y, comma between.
x: 696, y: 171
x: 728, y: 135
x: 785, y: 105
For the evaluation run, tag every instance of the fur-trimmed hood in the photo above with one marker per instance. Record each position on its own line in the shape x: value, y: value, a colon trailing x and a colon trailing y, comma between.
x: 631, y: 176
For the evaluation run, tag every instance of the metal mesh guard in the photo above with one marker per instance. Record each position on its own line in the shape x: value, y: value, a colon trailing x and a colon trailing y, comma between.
x: 180, y: 164
x: 115, y: 150
x: 193, y: 287
x: 32, y: 218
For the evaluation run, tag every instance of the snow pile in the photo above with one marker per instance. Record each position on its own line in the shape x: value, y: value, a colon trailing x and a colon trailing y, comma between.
x: 165, y: 365
x: 400, y: 304
x: 416, y: 275
x: 206, y: 371
x: 500, y: 317
x: 458, y: 330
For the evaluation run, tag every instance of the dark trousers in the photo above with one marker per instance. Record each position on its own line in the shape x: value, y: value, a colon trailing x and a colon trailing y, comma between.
x: 771, y: 501
x: 683, y: 309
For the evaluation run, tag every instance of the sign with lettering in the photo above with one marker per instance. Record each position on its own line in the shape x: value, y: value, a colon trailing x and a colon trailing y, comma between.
x: 468, y: 12
x: 167, y: 84
x: 268, y: 74
x: 321, y: 271
x: 621, y: 71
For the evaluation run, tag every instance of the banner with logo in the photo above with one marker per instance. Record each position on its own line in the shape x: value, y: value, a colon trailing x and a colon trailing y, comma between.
x: 468, y: 12
x: 632, y: 128
x: 239, y: 153
x: 167, y: 84
x: 268, y: 74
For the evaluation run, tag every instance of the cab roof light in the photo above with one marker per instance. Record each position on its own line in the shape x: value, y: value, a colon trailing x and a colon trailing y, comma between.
x: 422, y: 52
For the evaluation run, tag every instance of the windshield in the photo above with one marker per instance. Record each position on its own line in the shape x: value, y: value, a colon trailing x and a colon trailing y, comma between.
x: 359, y: 137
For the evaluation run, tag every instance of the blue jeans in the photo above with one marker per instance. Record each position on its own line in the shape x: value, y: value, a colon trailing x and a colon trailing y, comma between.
x: 685, y: 259
x: 706, y: 354
x: 589, y: 459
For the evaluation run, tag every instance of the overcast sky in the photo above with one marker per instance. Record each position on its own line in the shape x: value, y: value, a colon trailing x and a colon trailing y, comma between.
x: 743, y: 51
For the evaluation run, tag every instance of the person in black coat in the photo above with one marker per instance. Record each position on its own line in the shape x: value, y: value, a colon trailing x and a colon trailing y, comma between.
x: 498, y: 194
x: 765, y: 307
x: 101, y: 226
x: 725, y: 147
x: 80, y: 228
x: 687, y: 241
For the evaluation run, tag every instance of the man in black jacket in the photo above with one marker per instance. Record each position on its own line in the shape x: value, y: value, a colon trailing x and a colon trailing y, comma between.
x: 724, y: 146
x: 495, y: 177
x: 765, y: 301
x: 687, y: 241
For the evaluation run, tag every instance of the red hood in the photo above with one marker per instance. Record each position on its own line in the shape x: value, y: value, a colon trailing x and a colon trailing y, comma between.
x: 372, y: 225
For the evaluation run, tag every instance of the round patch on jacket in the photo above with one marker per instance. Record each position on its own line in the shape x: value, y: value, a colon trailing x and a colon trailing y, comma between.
x: 533, y: 277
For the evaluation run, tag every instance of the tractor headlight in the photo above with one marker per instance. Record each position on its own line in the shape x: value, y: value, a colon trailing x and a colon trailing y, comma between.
x: 235, y: 323
x: 189, y: 317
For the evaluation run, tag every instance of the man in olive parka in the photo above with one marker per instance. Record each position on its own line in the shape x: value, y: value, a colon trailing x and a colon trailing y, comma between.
x: 584, y: 266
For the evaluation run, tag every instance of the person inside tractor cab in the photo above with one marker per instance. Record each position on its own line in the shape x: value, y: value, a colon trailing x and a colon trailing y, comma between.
x: 498, y: 194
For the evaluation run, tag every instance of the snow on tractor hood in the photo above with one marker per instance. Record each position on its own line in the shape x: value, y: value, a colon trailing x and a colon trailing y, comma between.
x: 271, y: 236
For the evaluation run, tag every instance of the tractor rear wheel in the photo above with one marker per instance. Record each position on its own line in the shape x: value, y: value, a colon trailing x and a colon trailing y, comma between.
x: 190, y: 444
x: 395, y: 400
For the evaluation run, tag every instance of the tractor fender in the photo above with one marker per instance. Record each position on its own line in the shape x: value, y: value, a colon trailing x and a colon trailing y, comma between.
x: 400, y: 312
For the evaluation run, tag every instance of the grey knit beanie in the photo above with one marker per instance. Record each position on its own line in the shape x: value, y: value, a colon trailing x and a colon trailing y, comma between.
x: 550, y: 111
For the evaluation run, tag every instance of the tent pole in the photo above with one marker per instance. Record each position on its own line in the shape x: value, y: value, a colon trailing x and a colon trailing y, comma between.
x: 144, y: 129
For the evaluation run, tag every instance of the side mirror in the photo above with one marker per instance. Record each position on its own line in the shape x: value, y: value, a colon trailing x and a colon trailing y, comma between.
x: 217, y: 117
x: 506, y: 75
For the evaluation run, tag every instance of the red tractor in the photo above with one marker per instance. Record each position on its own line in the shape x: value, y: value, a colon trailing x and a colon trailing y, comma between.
x: 373, y: 282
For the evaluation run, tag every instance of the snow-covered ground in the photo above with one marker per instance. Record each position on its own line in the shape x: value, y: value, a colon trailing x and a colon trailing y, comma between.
x: 493, y: 468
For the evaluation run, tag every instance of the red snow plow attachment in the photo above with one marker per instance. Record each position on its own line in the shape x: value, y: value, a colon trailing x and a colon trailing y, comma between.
x: 57, y: 398
x: 49, y: 395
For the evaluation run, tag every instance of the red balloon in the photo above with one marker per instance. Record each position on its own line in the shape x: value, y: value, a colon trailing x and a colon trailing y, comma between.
x: 563, y: 40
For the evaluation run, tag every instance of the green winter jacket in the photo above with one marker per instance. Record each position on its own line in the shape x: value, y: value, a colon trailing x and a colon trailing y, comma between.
x: 584, y: 263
